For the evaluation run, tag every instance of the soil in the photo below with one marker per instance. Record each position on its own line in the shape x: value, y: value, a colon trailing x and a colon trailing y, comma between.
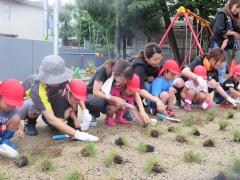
x: 230, y: 115
x: 181, y: 139
x: 196, y: 133
x: 155, y: 133
x: 222, y: 128
x: 119, y: 142
x: 66, y: 154
x: 84, y: 152
x: 157, y: 168
x: 171, y: 129
x: 21, y: 161
x: 118, y: 159
x: 149, y: 148
x: 208, y: 143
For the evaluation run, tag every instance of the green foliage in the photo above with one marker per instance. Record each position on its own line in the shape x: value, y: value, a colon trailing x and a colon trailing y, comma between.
x: 108, y: 159
x: 3, y: 176
x: 188, y: 120
x: 191, y: 157
x: 89, y: 149
x: 236, y: 166
x: 47, y: 165
x: 141, y: 147
x: 223, y: 124
x: 149, y: 164
x: 74, y: 175
x: 236, y: 135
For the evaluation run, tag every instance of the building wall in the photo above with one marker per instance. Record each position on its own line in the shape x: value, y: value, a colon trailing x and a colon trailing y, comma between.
x: 21, y: 19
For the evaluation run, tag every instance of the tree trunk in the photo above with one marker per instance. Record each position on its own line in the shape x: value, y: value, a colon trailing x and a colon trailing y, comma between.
x: 171, y: 36
x: 117, y: 41
x: 124, y: 41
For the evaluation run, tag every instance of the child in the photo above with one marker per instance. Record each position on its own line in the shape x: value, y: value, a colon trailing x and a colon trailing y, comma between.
x: 195, y: 92
x: 162, y: 86
x: 11, y: 96
x: 129, y: 95
x: 231, y: 87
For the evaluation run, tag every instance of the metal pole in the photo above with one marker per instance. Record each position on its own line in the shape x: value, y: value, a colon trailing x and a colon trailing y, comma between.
x: 45, y: 20
x: 168, y: 30
x: 56, y: 20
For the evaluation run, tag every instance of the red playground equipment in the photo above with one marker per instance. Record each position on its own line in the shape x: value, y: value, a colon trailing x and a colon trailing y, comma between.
x: 186, y: 14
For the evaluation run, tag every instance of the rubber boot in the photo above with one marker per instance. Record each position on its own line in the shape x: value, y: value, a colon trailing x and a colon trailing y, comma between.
x: 119, y: 117
x: 7, y: 135
x: 109, y: 121
x: 30, y: 127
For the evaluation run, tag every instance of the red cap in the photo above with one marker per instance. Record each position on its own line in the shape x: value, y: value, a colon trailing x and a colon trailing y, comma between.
x: 78, y: 89
x: 200, y: 71
x: 134, y: 83
x: 170, y: 65
x: 12, y: 92
x: 237, y: 69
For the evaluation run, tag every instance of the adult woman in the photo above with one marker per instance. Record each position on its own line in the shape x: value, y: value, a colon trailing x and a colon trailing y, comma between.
x: 147, y: 66
x: 225, y: 22
x: 116, y: 72
x: 212, y: 62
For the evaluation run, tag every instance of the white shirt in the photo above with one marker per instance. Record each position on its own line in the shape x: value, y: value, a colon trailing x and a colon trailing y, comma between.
x: 197, y: 89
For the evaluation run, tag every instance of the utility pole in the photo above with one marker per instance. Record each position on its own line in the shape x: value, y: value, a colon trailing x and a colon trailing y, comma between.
x: 56, y: 22
x: 45, y: 20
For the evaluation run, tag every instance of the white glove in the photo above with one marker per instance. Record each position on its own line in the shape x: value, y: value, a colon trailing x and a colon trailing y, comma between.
x: 232, y: 101
x: 82, y: 136
x: 86, y: 119
x: 8, y: 151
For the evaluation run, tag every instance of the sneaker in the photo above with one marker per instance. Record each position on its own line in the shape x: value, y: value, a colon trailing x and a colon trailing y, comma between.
x: 93, y: 122
x: 170, y: 112
x: 30, y: 127
x: 187, y: 106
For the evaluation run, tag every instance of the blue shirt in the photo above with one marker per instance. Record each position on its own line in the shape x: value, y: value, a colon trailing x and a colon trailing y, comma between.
x: 5, y: 116
x: 159, y: 85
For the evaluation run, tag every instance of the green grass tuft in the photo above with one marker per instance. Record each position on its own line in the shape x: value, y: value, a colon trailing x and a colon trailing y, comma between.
x: 188, y: 121
x: 236, y: 135
x: 108, y: 159
x: 74, y: 175
x: 223, y: 124
x: 191, y: 157
x: 89, y: 149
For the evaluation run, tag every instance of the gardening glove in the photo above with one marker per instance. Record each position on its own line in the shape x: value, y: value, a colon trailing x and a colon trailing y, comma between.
x: 86, y: 119
x: 232, y: 101
x: 82, y: 136
x: 8, y: 151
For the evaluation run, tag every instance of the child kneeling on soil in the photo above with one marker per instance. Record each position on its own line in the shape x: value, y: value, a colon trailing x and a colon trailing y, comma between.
x: 162, y: 86
x: 195, y: 92
x: 231, y: 87
x: 65, y: 105
x: 11, y: 96
x: 52, y: 74
x: 128, y: 94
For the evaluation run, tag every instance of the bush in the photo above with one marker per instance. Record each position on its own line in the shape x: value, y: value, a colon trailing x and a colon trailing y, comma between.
x: 191, y: 157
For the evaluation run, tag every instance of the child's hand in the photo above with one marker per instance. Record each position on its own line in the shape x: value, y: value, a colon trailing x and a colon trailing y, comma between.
x: 20, y: 133
x: 161, y: 107
x: 144, y: 117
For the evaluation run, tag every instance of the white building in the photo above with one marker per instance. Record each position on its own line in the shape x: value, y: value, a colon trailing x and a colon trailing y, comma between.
x: 22, y: 19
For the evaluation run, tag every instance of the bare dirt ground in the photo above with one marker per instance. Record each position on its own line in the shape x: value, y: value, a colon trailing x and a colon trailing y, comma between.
x: 66, y: 154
